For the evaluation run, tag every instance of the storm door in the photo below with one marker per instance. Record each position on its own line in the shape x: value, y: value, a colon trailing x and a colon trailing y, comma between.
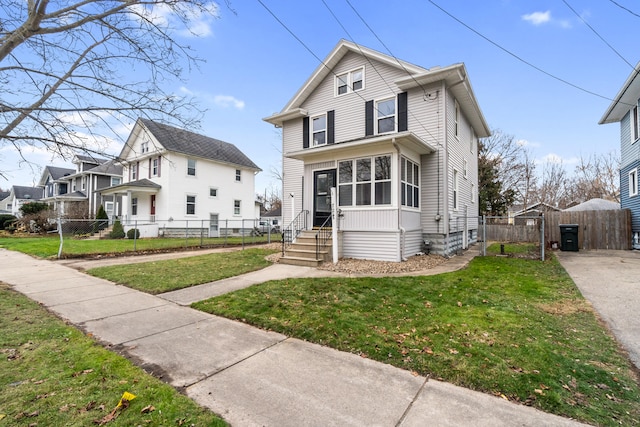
x: 322, y: 183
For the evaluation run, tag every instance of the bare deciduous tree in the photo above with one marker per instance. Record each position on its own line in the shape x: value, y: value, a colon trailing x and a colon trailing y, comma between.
x: 71, y: 71
x: 596, y: 177
x: 553, y: 187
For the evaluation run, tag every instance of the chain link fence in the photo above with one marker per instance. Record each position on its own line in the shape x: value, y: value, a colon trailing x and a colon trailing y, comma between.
x: 139, y: 235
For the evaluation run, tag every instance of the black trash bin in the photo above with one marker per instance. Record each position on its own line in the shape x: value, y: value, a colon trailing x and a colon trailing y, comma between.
x: 569, y: 237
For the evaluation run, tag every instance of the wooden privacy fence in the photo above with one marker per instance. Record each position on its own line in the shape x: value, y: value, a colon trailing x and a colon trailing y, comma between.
x: 596, y: 229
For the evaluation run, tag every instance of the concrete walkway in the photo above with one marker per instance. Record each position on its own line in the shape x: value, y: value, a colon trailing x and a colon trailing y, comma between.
x: 610, y: 280
x: 249, y: 376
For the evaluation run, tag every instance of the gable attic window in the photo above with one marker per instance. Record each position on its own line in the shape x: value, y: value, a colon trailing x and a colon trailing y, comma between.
x: 191, y: 167
x: 238, y: 175
x: 351, y: 81
x: 144, y: 147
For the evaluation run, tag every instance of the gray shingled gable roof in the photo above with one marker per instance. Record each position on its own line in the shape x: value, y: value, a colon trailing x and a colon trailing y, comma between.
x: 21, y: 192
x: 108, y: 167
x: 57, y: 173
x: 595, y: 204
x: 193, y: 144
x: 90, y: 159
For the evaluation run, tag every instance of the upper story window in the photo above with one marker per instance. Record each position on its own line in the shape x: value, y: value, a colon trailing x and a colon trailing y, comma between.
x: 386, y: 115
x: 319, y: 130
x: 213, y: 192
x: 144, y: 147
x: 134, y: 171
x: 115, y: 180
x: 154, y: 167
x: 456, y: 121
x: 238, y: 175
x: 634, y: 124
x: 351, y: 81
x: 633, y: 182
x: 191, y: 167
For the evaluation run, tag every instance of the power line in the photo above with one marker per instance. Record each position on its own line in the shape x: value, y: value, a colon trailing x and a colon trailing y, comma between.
x: 624, y: 8
x: 535, y: 67
x: 597, y: 34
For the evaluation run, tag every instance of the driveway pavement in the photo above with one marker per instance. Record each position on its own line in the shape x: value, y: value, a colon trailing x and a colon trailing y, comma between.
x: 610, y: 280
x: 253, y: 377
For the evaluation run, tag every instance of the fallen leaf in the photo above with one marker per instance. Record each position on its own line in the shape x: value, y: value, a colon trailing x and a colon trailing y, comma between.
x: 453, y: 351
x: 538, y: 391
x: 459, y: 304
x: 147, y: 409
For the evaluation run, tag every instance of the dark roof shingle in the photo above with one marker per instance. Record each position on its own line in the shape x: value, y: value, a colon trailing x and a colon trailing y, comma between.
x: 193, y: 144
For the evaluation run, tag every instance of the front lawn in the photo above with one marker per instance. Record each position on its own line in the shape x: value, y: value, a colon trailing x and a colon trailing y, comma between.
x: 47, y: 247
x: 53, y: 375
x: 157, y: 277
x: 510, y: 327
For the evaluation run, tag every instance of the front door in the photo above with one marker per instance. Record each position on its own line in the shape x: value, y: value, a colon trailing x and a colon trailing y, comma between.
x: 322, y: 183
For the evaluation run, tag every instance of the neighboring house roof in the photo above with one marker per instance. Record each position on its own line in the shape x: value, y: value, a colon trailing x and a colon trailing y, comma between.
x: 626, y: 98
x: 595, y: 205
x: 193, y: 144
x: 4, y: 194
x: 20, y: 192
x: 89, y: 159
x: 273, y: 213
x: 516, y: 210
x: 57, y: 173
x: 454, y: 75
x: 109, y: 167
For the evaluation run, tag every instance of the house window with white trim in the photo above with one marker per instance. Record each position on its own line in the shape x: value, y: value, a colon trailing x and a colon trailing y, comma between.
x: 191, y: 205
x: 213, y: 192
x: 386, y: 115
x: 134, y: 172
x: 191, y: 167
x: 115, y: 180
x: 236, y: 207
x: 319, y: 130
x: 351, y: 81
x: 134, y: 206
x: 464, y: 168
x: 365, y: 181
x: 633, y: 182
x: 144, y: 147
x: 455, y: 190
x: 456, y: 120
x: 238, y: 175
x: 473, y: 193
x: 635, y: 122
x: 409, y: 183
x: 154, y: 167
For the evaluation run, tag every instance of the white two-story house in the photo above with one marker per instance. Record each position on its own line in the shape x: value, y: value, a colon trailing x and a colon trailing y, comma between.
x: 176, y: 180
x: 398, y: 142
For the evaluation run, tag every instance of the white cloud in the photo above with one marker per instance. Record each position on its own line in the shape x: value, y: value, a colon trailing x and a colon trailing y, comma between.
x: 538, y: 18
x: 226, y: 101
x: 195, y: 22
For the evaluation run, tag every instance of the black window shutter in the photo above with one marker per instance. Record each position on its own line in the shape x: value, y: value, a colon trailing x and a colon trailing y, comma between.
x: 331, y: 132
x: 368, y: 118
x: 305, y: 132
x: 403, y: 119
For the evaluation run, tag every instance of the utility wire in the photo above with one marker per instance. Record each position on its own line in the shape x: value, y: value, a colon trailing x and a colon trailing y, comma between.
x: 597, y: 34
x: 521, y: 59
x: 624, y: 8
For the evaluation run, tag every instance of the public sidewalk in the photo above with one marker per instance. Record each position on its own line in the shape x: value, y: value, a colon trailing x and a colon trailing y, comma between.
x: 249, y: 376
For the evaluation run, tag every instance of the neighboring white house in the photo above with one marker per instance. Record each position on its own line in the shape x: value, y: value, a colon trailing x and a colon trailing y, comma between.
x: 19, y: 196
x: 74, y: 191
x: 4, y: 201
x: 176, y: 180
x: 400, y: 144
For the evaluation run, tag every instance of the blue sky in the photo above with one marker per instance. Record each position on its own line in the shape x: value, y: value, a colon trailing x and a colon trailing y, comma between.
x: 254, y: 66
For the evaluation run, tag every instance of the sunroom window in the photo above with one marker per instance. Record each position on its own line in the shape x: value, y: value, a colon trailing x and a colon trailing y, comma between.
x: 365, y: 181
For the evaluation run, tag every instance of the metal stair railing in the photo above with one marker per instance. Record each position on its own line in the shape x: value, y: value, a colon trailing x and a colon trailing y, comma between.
x: 323, y: 235
x: 292, y: 231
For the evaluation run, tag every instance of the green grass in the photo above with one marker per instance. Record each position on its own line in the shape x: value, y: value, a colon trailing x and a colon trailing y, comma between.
x: 53, y: 375
x: 47, y: 247
x: 169, y: 275
x: 506, y: 326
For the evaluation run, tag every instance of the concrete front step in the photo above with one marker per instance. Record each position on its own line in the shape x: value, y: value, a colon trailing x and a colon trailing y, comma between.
x: 303, y: 262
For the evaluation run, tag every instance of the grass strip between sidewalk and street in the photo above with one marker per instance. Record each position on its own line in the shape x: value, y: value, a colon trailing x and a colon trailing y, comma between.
x: 513, y: 328
x: 53, y: 375
x: 156, y: 277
